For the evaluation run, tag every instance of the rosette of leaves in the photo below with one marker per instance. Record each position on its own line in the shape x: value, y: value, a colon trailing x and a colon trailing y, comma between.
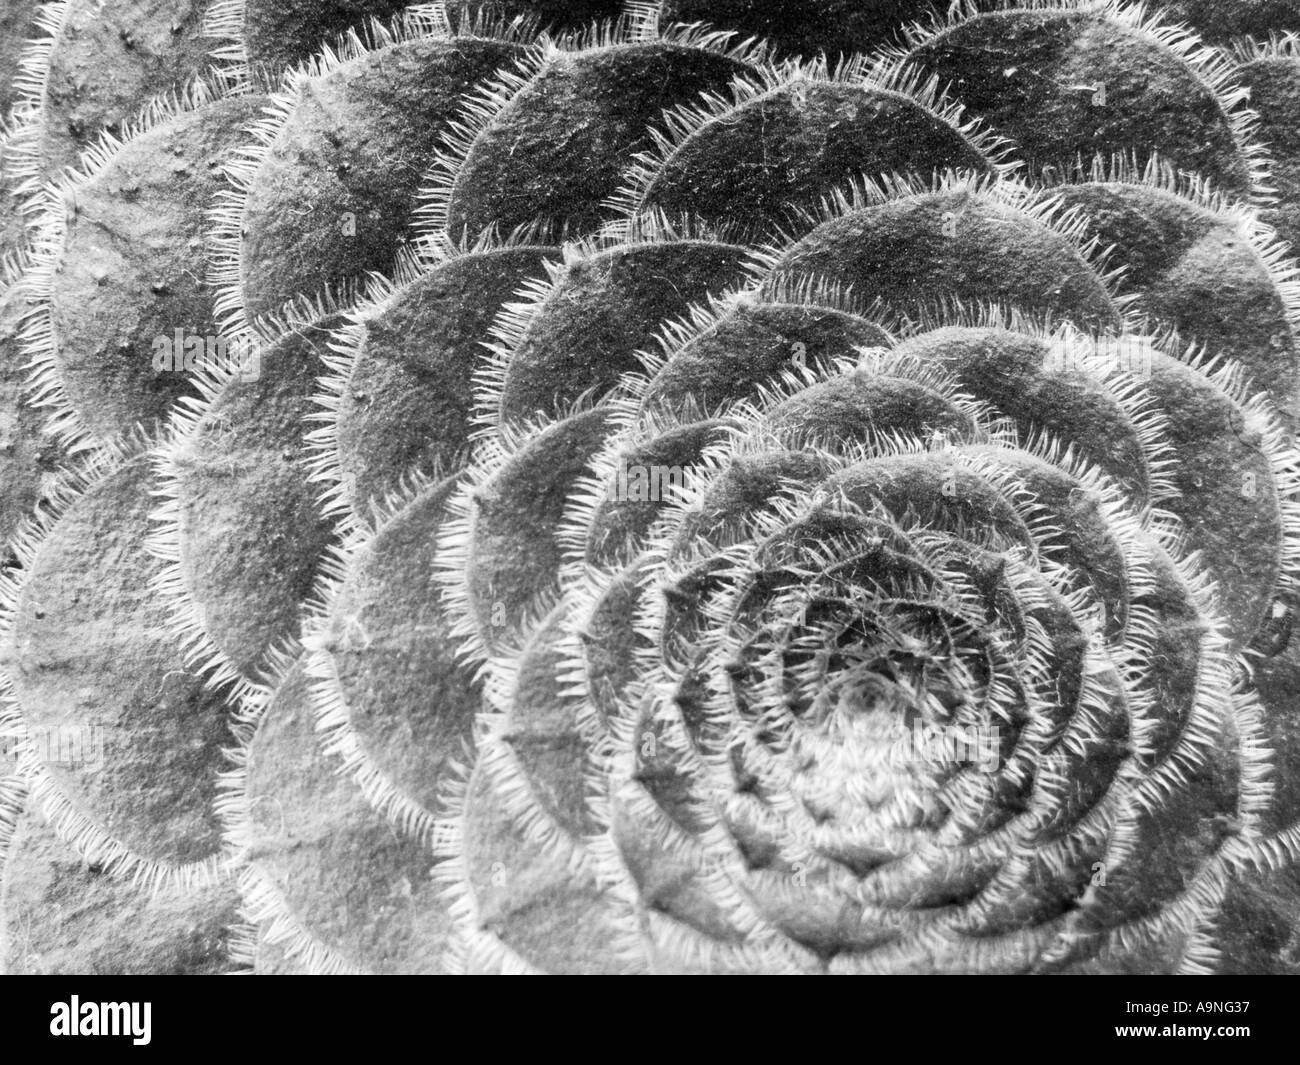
x: 690, y: 509
x: 738, y: 669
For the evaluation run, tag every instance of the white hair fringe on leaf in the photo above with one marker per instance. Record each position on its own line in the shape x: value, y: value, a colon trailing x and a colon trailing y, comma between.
x: 891, y: 76
x: 72, y: 825
x: 227, y: 214
x: 37, y: 336
x: 380, y: 293
x: 225, y: 20
x: 483, y: 105
x: 1212, y: 67
x: 510, y: 328
x: 190, y: 416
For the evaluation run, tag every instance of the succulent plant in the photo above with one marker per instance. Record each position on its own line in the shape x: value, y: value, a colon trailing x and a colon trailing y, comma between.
x: 724, y: 488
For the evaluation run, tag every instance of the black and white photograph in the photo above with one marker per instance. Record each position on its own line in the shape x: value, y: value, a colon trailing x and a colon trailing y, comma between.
x: 698, y: 487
